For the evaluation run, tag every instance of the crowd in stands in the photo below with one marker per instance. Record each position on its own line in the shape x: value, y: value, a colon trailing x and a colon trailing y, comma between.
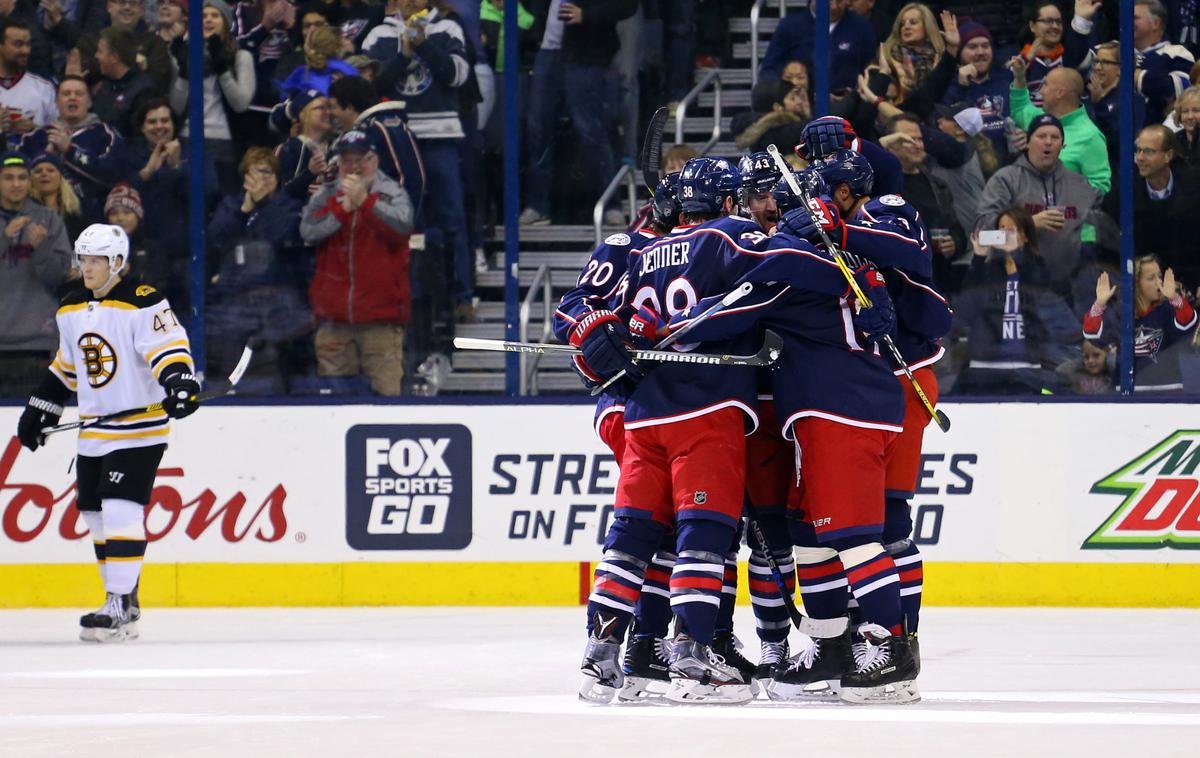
x: 1005, y: 118
x: 353, y: 163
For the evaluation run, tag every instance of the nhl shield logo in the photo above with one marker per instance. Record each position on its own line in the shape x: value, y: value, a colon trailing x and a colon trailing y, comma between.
x: 700, y: 498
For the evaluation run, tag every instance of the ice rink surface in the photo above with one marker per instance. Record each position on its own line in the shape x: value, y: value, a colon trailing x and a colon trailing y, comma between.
x: 501, y: 682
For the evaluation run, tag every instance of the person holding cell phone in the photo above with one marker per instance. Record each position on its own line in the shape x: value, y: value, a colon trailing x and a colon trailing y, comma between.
x: 1000, y: 311
x: 1062, y: 202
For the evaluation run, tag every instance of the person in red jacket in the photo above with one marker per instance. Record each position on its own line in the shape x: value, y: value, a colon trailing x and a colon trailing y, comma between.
x: 360, y: 292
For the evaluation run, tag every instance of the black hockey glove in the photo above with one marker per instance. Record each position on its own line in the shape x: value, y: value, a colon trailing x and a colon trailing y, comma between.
x: 880, y: 319
x: 44, y: 408
x: 182, y: 388
x: 39, y: 414
x: 605, y: 342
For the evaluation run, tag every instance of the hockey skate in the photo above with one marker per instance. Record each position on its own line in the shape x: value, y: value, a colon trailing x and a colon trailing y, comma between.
x: 87, y: 625
x: 646, y: 675
x: 815, y: 673
x: 701, y: 676
x: 135, y: 606
x: 112, y: 623
x: 885, y: 670
x: 601, y: 669
x: 769, y: 659
x: 729, y: 647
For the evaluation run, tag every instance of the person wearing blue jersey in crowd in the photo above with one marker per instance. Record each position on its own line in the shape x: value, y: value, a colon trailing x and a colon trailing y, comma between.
x: 425, y: 65
x: 1162, y: 67
x: 92, y: 152
x: 852, y: 45
x: 980, y: 84
x: 1163, y: 321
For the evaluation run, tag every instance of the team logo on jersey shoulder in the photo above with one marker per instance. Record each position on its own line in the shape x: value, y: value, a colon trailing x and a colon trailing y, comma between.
x: 143, y: 290
x: 99, y: 359
x: 618, y: 240
x: 893, y: 200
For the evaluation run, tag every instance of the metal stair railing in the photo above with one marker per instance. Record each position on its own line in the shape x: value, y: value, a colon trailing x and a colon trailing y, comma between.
x: 627, y: 174
x: 713, y: 77
x: 755, y: 14
x: 527, y: 384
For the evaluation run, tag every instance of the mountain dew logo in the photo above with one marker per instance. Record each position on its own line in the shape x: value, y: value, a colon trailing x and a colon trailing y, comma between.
x: 1162, y: 504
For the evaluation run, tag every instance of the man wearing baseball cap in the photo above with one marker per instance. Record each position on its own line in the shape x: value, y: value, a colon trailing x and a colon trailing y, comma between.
x: 1061, y: 200
x: 360, y: 292
x: 35, y: 256
x: 980, y: 83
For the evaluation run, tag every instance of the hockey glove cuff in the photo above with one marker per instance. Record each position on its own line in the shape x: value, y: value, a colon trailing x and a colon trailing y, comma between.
x: 44, y: 408
x: 647, y: 326
x: 880, y: 319
x: 603, y: 341
x: 181, y: 386
x: 39, y: 413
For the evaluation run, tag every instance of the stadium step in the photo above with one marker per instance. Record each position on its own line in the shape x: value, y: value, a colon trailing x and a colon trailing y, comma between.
x: 565, y: 248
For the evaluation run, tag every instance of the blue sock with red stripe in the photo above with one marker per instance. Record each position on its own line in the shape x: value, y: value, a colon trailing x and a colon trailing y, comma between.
x: 729, y: 585
x: 875, y: 583
x: 822, y: 582
x: 770, y: 612
x: 912, y: 580
x: 652, y: 617
x: 628, y: 548
x: 699, y: 576
x: 617, y: 587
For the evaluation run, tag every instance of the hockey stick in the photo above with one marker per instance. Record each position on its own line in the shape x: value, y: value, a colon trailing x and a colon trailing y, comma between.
x: 650, y: 160
x: 940, y: 418
x: 730, y: 298
x: 823, y: 628
x: 770, y: 351
x: 234, y: 377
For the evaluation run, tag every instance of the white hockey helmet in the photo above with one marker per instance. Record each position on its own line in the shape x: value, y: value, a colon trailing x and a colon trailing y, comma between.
x: 106, y: 240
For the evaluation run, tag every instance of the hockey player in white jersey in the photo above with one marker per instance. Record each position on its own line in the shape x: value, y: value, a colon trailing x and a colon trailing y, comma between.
x: 120, y: 347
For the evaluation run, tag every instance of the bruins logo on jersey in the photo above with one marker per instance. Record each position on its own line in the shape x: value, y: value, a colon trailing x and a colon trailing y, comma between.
x: 144, y: 290
x: 99, y: 359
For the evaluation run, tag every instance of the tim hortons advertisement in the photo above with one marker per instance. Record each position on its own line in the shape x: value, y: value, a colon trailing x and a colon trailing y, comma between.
x: 1013, y: 482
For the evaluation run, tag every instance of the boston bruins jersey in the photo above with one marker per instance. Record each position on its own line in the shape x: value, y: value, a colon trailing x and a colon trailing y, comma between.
x: 112, y: 351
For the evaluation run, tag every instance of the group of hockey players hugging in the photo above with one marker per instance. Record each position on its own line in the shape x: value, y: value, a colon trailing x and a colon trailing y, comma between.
x: 819, y: 453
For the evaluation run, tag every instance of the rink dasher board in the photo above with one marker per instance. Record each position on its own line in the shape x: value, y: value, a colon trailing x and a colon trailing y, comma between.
x: 1020, y: 504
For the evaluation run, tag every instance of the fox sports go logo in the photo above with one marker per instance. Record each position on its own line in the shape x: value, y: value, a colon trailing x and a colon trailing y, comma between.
x: 411, y: 485
x: 408, y: 487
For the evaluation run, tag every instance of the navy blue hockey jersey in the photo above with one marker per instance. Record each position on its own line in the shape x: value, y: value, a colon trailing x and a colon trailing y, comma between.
x: 671, y: 274
x: 601, y: 286
x: 889, y: 232
x: 827, y: 369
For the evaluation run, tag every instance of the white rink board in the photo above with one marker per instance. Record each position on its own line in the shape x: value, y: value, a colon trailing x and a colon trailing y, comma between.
x: 1010, y: 482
